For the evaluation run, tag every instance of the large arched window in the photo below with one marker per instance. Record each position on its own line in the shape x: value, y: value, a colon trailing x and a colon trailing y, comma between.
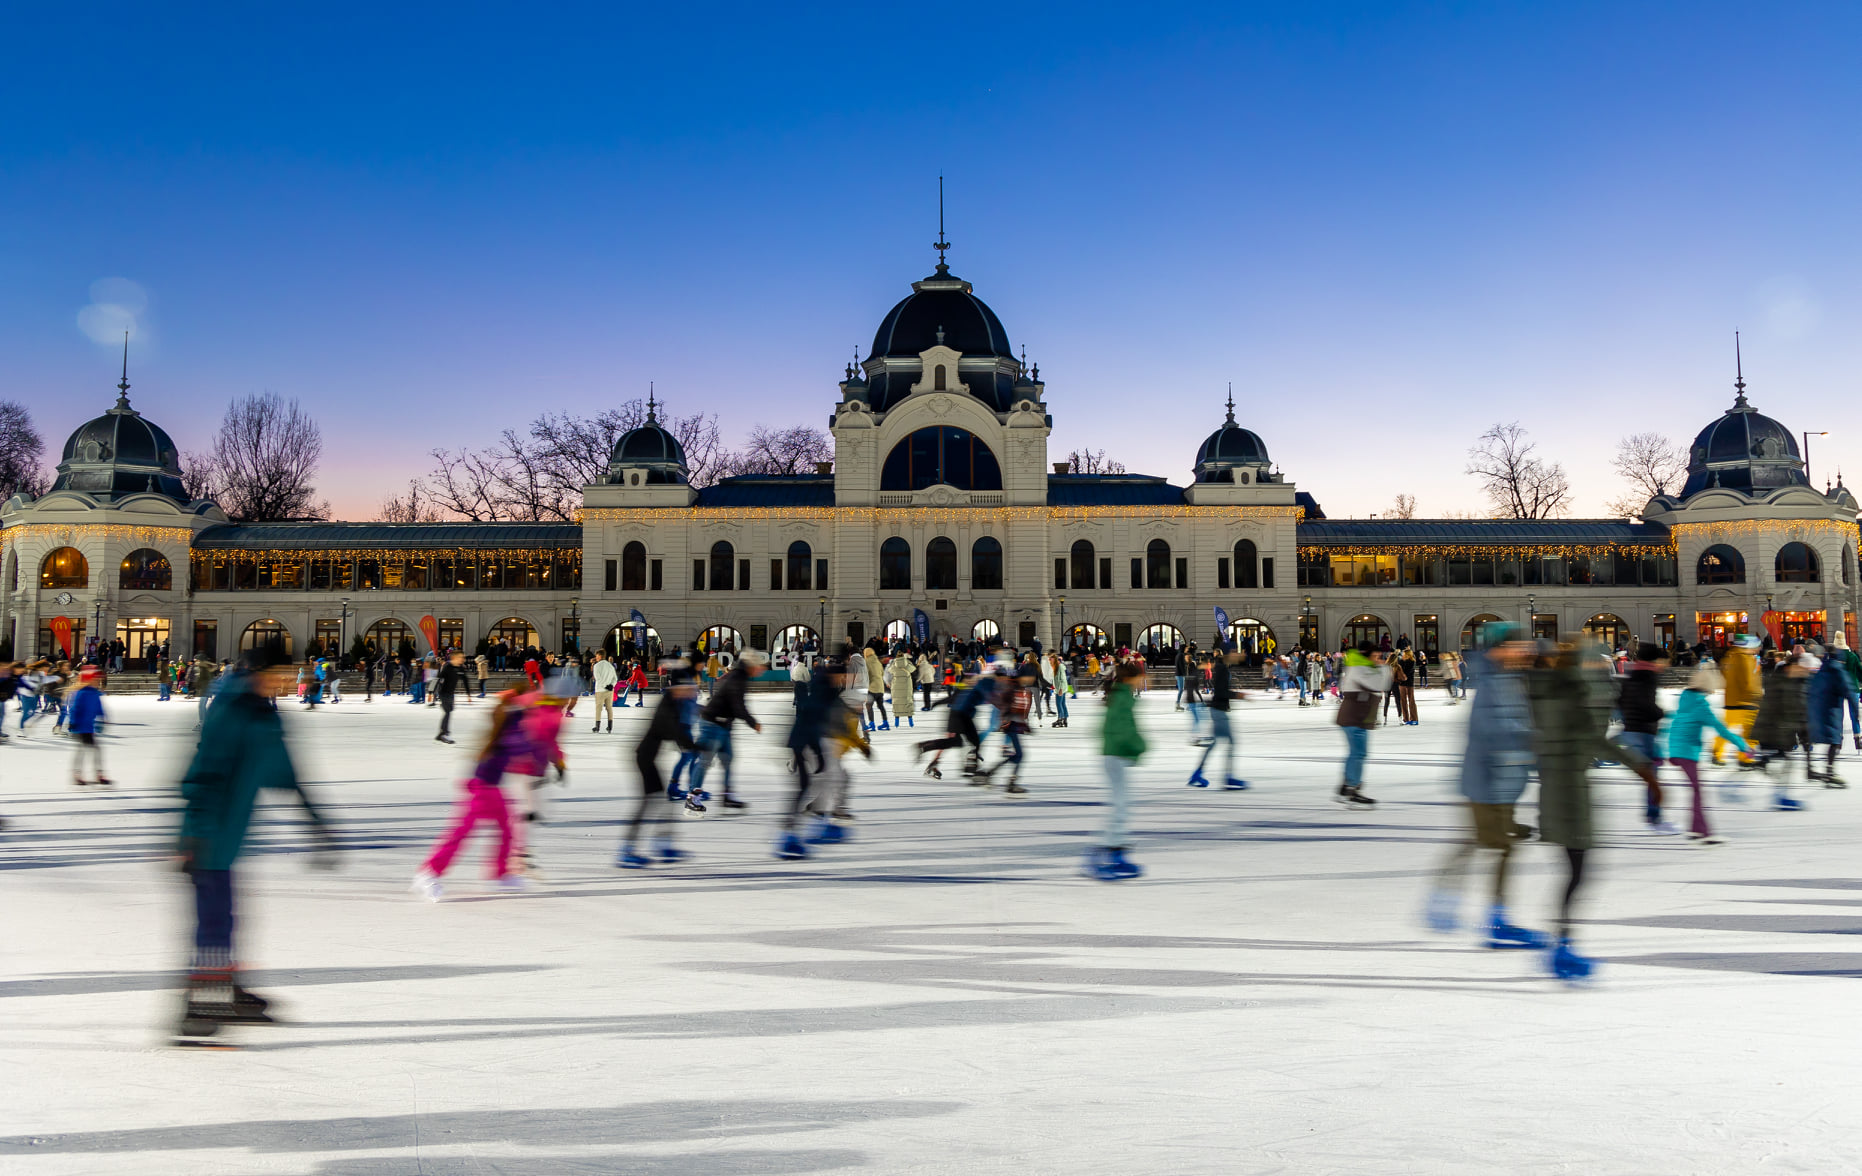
x: 1797, y: 564
x: 64, y: 567
x: 1085, y: 564
x: 634, y: 567
x: 895, y: 564
x: 986, y: 563
x: 941, y: 454
x: 146, y: 569
x: 801, y: 558
x: 941, y: 564
x: 723, y: 566
x: 1720, y: 564
x: 1247, y: 565
x: 1157, y: 564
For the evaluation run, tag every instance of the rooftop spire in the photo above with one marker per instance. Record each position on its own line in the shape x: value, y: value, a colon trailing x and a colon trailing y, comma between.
x: 1231, y: 402
x: 652, y: 419
x: 1739, y: 378
x: 941, y: 245
x: 122, y: 385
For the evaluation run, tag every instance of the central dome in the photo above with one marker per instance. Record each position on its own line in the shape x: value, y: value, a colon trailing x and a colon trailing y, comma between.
x: 941, y: 309
x: 1744, y: 450
x: 120, y: 453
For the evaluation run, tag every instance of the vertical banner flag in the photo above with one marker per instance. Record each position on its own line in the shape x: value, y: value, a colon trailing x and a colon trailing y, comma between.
x: 1221, y: 627
x: 61, y: 633
x: 639, y: 622
x: 430, y: 629
x: 921, y: 626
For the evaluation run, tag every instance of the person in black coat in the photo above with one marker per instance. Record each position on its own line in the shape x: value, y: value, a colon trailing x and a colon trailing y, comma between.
x: 666, y: 726
x: 1639, y: 706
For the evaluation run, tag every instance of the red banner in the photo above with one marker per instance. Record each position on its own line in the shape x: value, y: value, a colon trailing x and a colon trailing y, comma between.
x: 430, y: 629
x: 61, y: 633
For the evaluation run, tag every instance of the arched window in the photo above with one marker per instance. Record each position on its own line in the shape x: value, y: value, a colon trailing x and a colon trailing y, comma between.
x: 516, y: 632
x: 1797, y: 564
x: 267, y: 634
x: 986, y: 564
x: 801, y: 560
x: 634, y: 567
x: 1247, y: 565
x: 1157, y: 564
x: 1365, y: 627
x: 1849, y: 565
x: 941, y: 564
x: 723, y: 566
x: 985, y: 631
x: 64, y: 567
x: 1720, y: 564
x: 937, y: 379
x: 147, y: 570
x: 895, y: 565
x: 1085, y: 564
x: 954, y: 457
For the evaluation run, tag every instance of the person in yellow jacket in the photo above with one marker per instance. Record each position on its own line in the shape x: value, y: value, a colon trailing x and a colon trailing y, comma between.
x: 1740, y: 668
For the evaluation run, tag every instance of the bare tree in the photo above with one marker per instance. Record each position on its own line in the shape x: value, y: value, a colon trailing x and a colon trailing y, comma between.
x: 22, y: 453
x: 1652, y: 465
x: 1093, y: 461
x: 1405, y: 507
x: 1518, y: 484
x: 200, y: 477
x: 264, y: 458
x: 416, y: 506
x: 793, y: 450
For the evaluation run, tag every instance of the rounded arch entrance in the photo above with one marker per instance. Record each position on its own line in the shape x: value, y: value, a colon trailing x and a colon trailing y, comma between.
x: 1609, y: 630
x: 1158, y: 638
x: 1471, y: 632
x: 1253, y: 639
x: 719, y: 639
x: 1366, y: 627
x: 387, y: 636
x: 1085, y: 636
x: 266, y: 634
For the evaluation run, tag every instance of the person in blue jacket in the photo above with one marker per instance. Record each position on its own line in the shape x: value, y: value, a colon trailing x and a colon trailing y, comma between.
x: 1823, y: 713
x: 83, y: 711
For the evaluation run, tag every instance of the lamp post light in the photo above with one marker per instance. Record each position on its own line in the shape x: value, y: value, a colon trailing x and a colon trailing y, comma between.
x: 103, y: 658
x: 1808, y: 434
x: 1532, y: 615
x: 342, y: 634
x: 575, y: 621
x: 1065, y: 637
x: 821, y: 634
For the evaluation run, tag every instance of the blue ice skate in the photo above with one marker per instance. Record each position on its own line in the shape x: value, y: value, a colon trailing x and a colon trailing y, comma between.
x: 1120, y: 865
x: 1236, y: 784
x: 1098, y: 864
x: 1786, y: 804
x: 1197, y: 779
x: 1443, y: 913
x: 1568, y: 965
x: 827, y: 833
x: 666, y: 851
x: 1503, y: 935
x: 790, y: 848
x: 627, y: 859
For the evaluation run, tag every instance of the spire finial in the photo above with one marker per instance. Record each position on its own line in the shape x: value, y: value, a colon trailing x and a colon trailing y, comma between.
x: 1231, y: 402
x: 1739, y: 376
x: 941, y: 245
x: 122, y: 385
x: 652, y: 417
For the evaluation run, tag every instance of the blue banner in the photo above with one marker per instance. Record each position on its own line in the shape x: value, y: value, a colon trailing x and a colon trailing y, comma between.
x: 921, y: 625
x: 637, y: 618
x: 1221, y: 627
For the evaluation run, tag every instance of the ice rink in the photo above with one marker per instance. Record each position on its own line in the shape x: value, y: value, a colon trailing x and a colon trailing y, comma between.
x: 944, y: 994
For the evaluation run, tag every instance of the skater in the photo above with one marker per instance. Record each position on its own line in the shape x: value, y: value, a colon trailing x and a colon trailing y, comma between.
x: 242, y: 749
x: 814, y: 716
x: 874, y: 667
x: 829, y: 802
x: 1121, y: 746
x: 1692, y: 716
x: 481, y: 667
x: 1221, y: 695
x: 1493, y: 777
x: 728, y: 705
x: 1405, y: 686
x: 1852, y: 665
x: 1013, y: 698
x: 542, y: 719
x: 1779, y: 727
x: 507, y: 742
x: 1363, y: 681
x: 925, y: 670
x: 669, y: 724
x: 901, y: 675
x: 451, y: 677
x: 86, y: 711
x: 1740, y: 670
x: 1642, y: 715
x: 607, y: 680
x: 1824, y: 695
x: 1063, y: 686
x: 960, y: 727
x: 1570, y: 718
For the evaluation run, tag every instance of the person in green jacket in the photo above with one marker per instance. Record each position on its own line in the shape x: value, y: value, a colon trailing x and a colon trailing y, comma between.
x: 242, y: 749
x: 1121, y: 745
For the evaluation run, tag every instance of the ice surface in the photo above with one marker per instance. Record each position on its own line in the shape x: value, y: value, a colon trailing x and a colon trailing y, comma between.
x: 943, y: 994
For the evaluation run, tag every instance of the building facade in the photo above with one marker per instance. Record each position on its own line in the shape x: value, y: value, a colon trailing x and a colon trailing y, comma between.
x: 941, y: 501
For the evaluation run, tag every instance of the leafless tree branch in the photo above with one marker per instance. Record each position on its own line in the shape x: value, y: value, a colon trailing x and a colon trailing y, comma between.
x: 1518, y: 484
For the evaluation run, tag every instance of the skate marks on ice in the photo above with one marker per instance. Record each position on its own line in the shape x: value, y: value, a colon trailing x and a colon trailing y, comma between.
x: 1837, y: 964
x: 97, y: 983
x: 430, y: 1136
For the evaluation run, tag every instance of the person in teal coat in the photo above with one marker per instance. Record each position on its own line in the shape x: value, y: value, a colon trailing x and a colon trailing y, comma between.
x: 242, y: 749
x: 1692, y: 718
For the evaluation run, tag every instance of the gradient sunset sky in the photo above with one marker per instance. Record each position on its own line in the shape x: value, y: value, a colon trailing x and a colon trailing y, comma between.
x: 1389, y: 225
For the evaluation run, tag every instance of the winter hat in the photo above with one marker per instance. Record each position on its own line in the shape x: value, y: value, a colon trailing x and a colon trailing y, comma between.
x: 1706, y: 678
x: 1747, y: 641
x: 89, y: 675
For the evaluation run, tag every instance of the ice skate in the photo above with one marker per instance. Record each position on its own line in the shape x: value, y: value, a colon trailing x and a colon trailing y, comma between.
x: 1568, y: 965
x: 1786, y: 804
x: 627, y: 859
x: 666, y: 851
x: 826, y: 832
x: 931, y: 770
x: 513, y: 884
x: 1235, y: 784
x: 428, y: 886
x: 1349, y: 796
x: 1503, y: 935
x: 790, y: 848
x: 1121, y: 866
x: 1197, y: 779
x: 732, y: 803
x: 1660, y: 828
x: 1705, y: 839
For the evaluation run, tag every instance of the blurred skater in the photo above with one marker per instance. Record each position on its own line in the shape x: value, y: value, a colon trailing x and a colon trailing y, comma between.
x: 668, y: 724
x: 1121, y: 746
x: 505, y: 743
x: 1361, y: 683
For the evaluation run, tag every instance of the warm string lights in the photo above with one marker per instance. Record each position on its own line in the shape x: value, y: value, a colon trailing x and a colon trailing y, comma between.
x: 72, y: 534
x: 1788, y: 530
x: 389, y: 554
x: 954, y: 514
x: 1486, y: 550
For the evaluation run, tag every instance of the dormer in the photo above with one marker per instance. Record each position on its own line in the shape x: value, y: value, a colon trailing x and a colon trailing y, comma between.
x: 939, y: 370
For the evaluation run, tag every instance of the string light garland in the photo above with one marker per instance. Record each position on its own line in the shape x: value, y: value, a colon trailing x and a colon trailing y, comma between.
x: 1800, y: 530
x: 1309, y: 552
x: 389, y: 554
x: 71, y: 534
x: 937, y: 514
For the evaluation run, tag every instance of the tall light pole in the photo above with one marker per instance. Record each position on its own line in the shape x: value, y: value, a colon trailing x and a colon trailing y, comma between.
x: 1064, y: 635
x: 575, y: 621
x: 1808, y: 434
x: 342, y: 635
x: 821, y: 634
x: 1532, y: 616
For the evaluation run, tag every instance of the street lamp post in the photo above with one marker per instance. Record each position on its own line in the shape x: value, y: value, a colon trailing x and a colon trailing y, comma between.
x: 1064, y: 641
x: 821, y: 634
x: 575, y: 621
x: 1306, y: 618
x: 1808, y: 434
x: 342, y: 635
x: 97, y: 634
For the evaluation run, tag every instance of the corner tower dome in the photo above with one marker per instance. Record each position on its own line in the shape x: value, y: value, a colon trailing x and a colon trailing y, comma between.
x: 1231, y: 448
x: 120, y: 453
x: 1744, y: 450
x: 649, y: 448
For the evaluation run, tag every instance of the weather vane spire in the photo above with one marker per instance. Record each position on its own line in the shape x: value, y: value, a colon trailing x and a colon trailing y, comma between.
x: 1739, y: 375
x: 1231, y: 402
x: 122, y: 385
x: 941, y: 245
x: 651, y: 418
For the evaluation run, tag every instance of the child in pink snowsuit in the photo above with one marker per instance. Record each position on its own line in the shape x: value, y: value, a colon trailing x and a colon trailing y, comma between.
x: 510, y: 747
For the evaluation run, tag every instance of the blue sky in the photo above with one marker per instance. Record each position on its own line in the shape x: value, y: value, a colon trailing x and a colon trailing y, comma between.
x: 1389, y: 225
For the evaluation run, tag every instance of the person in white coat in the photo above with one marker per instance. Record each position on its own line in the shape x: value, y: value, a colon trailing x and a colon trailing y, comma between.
x: 606, y: 679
